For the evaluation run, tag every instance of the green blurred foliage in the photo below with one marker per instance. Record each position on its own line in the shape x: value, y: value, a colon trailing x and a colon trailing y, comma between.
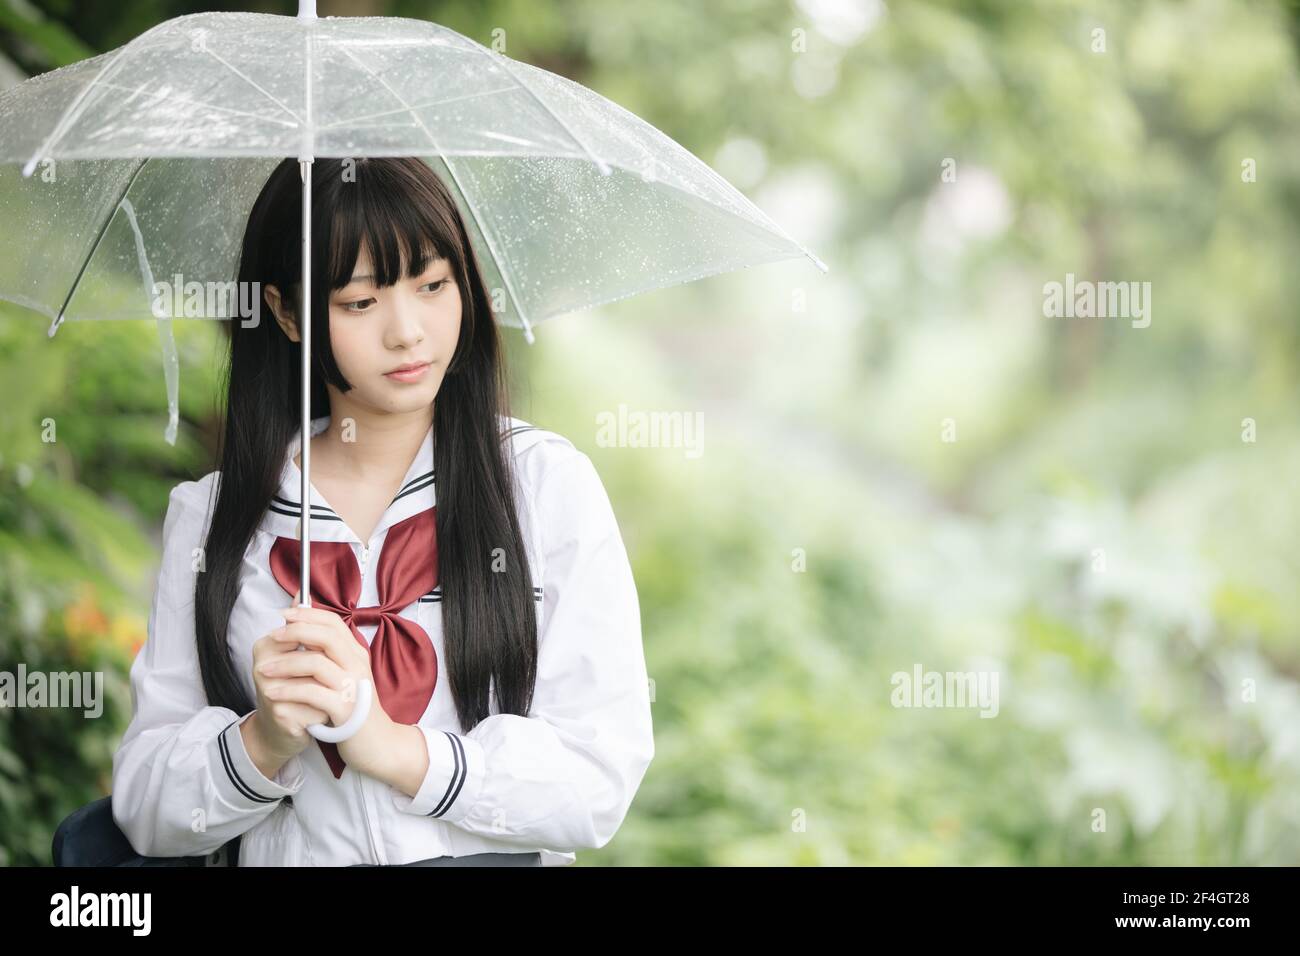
x: 1098, y: 534
x: 84, y: 479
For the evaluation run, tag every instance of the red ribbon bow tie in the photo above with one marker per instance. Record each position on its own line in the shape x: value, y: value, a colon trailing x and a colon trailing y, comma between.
x: 402, y: 658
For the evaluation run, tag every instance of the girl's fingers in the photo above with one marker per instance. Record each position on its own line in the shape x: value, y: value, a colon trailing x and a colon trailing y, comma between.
x: 313, y: 615
x: 304, y: 664
x: 319, y: 637
x: 306, y: 715
x: 317, y: 615
x: 301, y: 690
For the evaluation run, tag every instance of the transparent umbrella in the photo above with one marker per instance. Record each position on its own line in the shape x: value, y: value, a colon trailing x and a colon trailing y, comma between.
x: 132, y: 173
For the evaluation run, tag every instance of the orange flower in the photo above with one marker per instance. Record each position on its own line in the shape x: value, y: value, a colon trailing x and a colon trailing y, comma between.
x: 128, y: 633
x: 84, y: 619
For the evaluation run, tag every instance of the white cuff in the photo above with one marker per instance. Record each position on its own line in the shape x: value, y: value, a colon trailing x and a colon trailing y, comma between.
x: 451, y: 787
x: 237, y: 779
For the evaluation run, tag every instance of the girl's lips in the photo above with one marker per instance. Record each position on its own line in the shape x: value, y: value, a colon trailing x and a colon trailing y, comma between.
x: 408, y: 375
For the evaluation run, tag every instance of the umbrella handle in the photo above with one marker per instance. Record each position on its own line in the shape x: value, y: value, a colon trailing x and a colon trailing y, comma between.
x: 360, y: 711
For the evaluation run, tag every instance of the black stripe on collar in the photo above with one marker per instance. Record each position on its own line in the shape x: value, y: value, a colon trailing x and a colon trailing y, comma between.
x: 297, y: 513
x: 427, y: 474
x: 414, y: 485
x: 276, y: 499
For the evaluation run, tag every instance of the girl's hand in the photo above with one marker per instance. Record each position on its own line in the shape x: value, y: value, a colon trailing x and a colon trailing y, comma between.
x: 280, y: 725
x: 325, y: 676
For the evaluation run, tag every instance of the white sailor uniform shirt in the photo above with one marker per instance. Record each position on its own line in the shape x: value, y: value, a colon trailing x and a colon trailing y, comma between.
x: 555, y: 781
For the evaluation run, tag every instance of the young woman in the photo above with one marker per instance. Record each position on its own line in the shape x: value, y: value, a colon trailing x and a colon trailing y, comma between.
x: 465, y: 562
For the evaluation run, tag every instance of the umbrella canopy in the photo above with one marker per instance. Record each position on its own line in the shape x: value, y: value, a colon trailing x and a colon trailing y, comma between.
x: 147, y: 159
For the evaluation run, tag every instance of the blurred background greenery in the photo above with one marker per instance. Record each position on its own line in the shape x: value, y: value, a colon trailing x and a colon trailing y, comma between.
x: 905, y: 461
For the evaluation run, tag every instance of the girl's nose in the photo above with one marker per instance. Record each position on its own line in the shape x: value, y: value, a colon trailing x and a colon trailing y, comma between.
x: 406, y: 328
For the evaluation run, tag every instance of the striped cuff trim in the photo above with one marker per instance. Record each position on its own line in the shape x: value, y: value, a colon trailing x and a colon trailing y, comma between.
x: 233, y: 774
x: 458, y: 776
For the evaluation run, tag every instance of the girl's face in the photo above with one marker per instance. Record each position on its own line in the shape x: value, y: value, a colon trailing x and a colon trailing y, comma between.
x: 375, y: 332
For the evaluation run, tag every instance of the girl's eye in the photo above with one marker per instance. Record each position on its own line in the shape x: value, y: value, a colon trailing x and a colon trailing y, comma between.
x: 362, y: 304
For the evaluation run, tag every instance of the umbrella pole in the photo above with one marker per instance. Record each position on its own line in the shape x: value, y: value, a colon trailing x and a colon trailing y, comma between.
x: 364, y: 690
x: 304, y: 333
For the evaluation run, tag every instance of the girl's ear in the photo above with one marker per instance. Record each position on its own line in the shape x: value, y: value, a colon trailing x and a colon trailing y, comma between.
x: 281, y: 311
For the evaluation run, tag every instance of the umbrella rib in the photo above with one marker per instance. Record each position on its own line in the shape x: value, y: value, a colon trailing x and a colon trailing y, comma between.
x: 502, y: 264
x: 78, y: 105
x: 207, y: 106
x: 54, y: 327
x: 418, y: 106
x: 433, y: 141
x: 396, y: 42
x: 254, y: 85
x: 730, y: 191
x: 505, y: 60
x: 497, y: 256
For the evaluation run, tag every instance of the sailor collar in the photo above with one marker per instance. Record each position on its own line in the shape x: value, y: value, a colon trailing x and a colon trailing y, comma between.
x: 284, y: 513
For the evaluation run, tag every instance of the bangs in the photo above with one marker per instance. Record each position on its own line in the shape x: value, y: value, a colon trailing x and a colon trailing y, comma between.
x: 391, y: 219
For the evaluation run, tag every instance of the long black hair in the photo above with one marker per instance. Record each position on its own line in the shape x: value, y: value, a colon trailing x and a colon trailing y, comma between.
x: 400, y: 208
